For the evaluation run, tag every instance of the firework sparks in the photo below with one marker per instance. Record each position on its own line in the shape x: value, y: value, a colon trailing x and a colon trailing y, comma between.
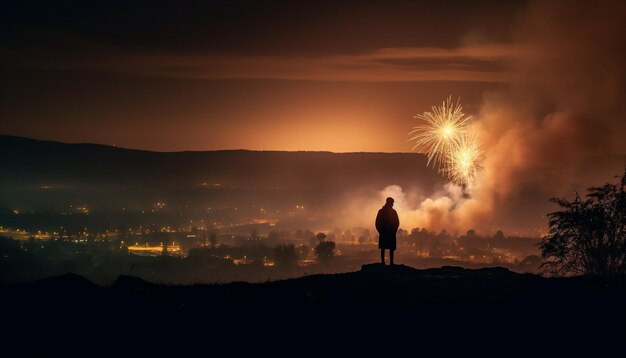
x: 463, y: 162
x: 446, y: 141
x: 442, y: 132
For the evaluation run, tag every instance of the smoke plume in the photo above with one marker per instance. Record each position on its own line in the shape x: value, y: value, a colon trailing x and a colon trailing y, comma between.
x: 558, y: 129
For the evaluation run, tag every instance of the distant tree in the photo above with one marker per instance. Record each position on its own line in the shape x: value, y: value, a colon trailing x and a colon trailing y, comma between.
x: 273, y: 236
x: 325, y: 250
x: 213, y: 240
x: 302, y: 251
x: 365, y: 236
x: 530, y: 264
x: 308, y: 233
x: 588, y: 236
x: 285, y: 255
x: 499, y: 236
x: 164, y: 239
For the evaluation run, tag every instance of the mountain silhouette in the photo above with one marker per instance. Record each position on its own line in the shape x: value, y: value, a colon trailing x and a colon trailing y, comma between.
x: 111, y: 176
x: 54, y: 162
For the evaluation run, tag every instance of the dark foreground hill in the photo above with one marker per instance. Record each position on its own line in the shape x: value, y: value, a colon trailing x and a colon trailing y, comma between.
x: 373, y: 312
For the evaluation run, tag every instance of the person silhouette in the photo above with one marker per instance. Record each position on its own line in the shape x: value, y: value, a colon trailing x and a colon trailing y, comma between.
x: 387, y: 224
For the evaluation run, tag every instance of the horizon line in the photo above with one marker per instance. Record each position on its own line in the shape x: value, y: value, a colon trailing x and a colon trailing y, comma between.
x: 200, y: 150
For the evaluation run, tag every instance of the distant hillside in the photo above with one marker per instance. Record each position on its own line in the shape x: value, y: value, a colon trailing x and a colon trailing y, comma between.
x: 42, y: 177
x: 88, y: 170
x: 33, y: 161
x: 378, y: 311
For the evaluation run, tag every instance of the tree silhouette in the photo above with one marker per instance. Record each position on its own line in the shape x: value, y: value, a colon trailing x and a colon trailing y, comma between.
x: 499, y: 236
x: 286, y: 255
x: 325, y: 250
x: 588, y: 236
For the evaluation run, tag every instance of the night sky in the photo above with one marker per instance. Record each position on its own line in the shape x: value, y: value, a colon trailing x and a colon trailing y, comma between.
x: 544, y: 82
x: 282, y: 75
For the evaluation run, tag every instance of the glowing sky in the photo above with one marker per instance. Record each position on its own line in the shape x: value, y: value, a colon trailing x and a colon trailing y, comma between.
x: 284, y: 75
x: 543, y: 80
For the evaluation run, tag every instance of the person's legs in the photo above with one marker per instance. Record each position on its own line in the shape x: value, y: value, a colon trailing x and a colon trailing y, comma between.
x: 382, y: 256
x: 391, y: 251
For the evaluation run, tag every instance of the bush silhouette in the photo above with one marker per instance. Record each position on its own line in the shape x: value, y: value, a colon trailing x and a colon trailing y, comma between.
x: 325, y: 250
x: 286, y: 255
x: 588, y: 236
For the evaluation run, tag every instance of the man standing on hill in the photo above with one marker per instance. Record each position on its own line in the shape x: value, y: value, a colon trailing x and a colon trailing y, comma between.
x: 387, y: 224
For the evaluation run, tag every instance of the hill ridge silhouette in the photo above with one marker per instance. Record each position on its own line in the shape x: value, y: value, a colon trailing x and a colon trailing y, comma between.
x: 6, y: 139
x: 443, y: 311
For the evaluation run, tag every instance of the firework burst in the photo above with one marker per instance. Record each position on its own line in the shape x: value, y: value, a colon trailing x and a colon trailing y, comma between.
x: 463, y: 162
x: 445, y: 125
x: 446, y: 141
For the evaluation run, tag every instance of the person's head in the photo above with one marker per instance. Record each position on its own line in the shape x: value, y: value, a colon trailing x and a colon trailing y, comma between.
x: 389, y: 201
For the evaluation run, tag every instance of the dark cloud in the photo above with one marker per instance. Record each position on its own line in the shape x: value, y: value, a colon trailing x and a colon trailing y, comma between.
x: 255, y: 27
x: 480, y: 63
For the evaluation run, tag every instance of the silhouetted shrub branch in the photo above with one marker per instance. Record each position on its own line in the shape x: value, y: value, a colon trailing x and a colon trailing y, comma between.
x: 587, y: 236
